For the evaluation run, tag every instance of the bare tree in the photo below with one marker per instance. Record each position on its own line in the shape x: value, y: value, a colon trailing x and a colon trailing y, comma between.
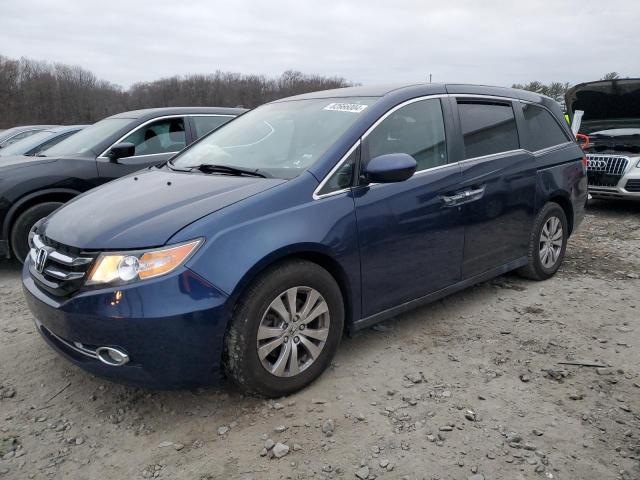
x: 226, y: 89
x: 555, y: 90
x: 40, y: 92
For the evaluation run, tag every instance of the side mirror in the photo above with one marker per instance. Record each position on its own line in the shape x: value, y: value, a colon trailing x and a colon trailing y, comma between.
x: 390, y: 168
x: 121, y: 150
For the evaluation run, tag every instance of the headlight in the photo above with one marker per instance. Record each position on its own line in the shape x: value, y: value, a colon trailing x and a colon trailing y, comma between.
x: 125, y: 267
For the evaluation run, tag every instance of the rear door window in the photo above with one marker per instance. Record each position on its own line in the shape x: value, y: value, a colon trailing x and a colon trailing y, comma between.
x: 487, y: 128
x: 540, y: 129
x: 209, y: 123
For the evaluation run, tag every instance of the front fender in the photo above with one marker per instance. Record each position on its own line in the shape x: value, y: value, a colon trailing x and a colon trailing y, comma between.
x: 244, y: 239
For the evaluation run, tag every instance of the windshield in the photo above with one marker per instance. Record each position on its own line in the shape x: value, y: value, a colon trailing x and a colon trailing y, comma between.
x: 23, y: 146
x: 86, y: 139
x: 280, y: 139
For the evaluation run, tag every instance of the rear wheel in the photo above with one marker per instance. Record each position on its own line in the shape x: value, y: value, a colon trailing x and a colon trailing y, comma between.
x: 547, y: 244
x: 24, y: 224
x: 285, y: 329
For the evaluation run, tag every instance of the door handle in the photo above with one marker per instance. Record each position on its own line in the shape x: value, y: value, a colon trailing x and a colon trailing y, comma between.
x: 475, y: 193
x: 453, y: 200
x: 465, y: 196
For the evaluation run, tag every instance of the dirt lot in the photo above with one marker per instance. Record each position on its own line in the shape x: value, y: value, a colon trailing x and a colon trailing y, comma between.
x: 469, y: 387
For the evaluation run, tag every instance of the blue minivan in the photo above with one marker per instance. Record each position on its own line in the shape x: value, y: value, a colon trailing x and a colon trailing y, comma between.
x: 252, y: 251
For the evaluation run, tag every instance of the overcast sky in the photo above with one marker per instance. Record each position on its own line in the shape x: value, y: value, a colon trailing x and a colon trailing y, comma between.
x: 365, y: 41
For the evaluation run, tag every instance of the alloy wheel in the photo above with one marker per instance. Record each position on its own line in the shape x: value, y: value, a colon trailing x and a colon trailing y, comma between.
x: 293, y: 331
x: 551, y: 238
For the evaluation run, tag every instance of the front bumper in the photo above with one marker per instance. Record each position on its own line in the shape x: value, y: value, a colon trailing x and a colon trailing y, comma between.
x: 172, y: 328
x: 627, y: 188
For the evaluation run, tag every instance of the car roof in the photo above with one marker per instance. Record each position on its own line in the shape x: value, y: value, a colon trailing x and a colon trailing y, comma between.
x: 65, y: 128
x: 10, y: 132
x: 425, y: 88
x: 396, y: 93
x: 29, y: 127
x: 23, y: 128
x: 150, y: 113
x: 359, y: 91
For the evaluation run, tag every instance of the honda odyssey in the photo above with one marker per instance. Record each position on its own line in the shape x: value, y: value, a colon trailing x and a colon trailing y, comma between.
x: 253, y: 250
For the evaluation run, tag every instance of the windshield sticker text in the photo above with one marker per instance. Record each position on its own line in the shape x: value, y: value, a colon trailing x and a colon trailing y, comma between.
x: 345, y: 107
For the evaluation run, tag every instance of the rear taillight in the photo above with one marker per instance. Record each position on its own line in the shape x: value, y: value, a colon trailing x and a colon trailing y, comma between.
x: 585, y: 162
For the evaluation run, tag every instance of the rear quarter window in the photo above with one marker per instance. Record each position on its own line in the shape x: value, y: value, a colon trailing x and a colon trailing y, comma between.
x: 541, y: 130
x: 487, y: 128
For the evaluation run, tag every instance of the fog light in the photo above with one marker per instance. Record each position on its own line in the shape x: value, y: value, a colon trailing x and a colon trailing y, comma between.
x: 112, y: 356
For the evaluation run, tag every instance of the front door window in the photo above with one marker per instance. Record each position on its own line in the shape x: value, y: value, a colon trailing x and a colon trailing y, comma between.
x: 416, y: 129
x: 162, y: 136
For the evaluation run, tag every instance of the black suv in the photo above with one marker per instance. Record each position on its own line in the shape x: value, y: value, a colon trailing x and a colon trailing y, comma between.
x: 33, y: 187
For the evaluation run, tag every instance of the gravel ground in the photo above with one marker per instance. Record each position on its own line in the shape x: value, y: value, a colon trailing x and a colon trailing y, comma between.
x: 470, y: 387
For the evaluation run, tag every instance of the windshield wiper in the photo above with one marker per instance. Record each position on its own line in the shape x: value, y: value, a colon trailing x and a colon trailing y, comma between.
x: 209, y: 168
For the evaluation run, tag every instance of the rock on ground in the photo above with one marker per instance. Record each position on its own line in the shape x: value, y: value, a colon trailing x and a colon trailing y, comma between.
x: 482, y: 364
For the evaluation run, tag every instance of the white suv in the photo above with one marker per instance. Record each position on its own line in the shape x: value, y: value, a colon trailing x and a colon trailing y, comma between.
x: 611, y: 119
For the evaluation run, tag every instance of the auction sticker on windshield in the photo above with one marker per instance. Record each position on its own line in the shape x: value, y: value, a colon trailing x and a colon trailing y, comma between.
x: 346, y: 107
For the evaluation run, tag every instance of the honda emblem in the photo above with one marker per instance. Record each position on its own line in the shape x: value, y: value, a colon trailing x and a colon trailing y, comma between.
x: 41, y: 259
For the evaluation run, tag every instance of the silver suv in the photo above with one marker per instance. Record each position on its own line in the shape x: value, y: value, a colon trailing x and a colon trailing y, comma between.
x: 611, y: 119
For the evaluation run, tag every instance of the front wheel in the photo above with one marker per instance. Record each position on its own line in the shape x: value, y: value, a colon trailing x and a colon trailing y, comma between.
x: 547, y: 244
x: 285, y: 330
x: 23, y: 225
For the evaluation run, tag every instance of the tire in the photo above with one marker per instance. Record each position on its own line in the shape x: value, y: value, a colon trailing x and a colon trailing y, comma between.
x: 23, y: 225
x: 541, y: 267
x: 258, y: 308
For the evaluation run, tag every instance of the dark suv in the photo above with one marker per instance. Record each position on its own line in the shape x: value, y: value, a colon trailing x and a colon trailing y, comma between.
x: 252, y: 250
x: 33, y: 187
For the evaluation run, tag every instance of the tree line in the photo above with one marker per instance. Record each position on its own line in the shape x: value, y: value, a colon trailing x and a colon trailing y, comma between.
x: 556, y: 90
x: 33, y: 92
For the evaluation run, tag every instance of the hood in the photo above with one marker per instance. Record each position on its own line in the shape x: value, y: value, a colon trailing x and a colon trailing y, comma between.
x: 9, y: 163
x: 146, y: 209
x: 607, y: 104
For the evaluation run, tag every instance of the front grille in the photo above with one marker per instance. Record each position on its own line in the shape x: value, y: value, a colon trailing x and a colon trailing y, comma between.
x: 633, y: 185
x: 605, y: 170
x: 58, y: 269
